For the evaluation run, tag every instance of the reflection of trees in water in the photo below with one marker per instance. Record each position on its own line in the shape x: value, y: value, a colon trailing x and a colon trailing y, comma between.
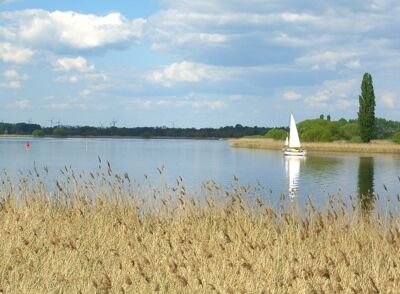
x: 366, y: 182
x: 318, y: 165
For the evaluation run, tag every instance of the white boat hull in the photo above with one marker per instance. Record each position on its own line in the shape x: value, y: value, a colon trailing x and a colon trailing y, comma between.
x: 294, y: 153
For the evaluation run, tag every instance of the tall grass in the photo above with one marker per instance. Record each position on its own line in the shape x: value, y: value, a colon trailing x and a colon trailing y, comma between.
x: 376, y: 146
x: 105, y: 233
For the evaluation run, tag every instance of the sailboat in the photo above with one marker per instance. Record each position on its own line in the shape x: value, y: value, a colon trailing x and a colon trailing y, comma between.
x: 293, y: 146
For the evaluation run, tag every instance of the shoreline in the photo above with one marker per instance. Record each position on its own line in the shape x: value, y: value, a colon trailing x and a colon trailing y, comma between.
x: 112, y: 137
x: 376, y: 146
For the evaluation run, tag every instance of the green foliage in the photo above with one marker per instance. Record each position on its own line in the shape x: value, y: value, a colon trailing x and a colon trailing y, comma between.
x: 328, y: 117
x: 318, y: 130
x: 38, y: 133
x: 60, y: 132
x: 276, y: 134
x: 366, y: 113
x: 349, y: 130
x: 321, y: 116
x: 356, y: 139
x: 18, y: 128
x: 396, y: 138
x: 386, y: 128
x: 317, y: 134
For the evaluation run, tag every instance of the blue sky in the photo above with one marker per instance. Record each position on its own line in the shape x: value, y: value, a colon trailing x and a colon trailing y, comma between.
x: 195, y: 63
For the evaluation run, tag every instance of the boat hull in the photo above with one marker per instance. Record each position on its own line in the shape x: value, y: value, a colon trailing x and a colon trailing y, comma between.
x: 301, y: 153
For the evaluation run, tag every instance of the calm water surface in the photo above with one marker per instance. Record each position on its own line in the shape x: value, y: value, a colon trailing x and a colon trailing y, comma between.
x: 200, y: 160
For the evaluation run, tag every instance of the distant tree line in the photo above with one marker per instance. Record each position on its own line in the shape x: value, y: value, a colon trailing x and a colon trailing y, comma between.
x: 18, y: 128
x: 236, y: 131
x: 313, y: 130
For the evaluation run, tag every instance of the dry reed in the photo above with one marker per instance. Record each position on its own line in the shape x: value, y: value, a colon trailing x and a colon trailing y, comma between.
x: 377, y: 146
x: 104, y: 233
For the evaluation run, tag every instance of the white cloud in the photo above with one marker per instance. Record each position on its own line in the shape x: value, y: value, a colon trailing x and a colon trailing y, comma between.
x: 93, y: 77
x: 235, y: 97
x: 13, y: 79
x: 353, y: 64
x: 213, y: 105
x: 85, y: 93
x: 334, y: 94
x: 20, y: 104
x: 12, y: 74
x: 58, y: 106
x: 389, y: 100
x: 60, y: 31
x: 147, y: 104
x: 329, y: 59
x: 11, y: 85
x: 78, y: 64
x: 291, y: 95
x: 14, y: 54
x: 319, y: 99
x: 188, y: 72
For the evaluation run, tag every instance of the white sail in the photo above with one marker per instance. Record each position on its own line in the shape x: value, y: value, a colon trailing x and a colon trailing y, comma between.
x: 287, y: 141
x: 294, y: 141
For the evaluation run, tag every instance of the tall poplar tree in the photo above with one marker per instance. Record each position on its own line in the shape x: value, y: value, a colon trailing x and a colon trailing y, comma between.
x: 366, y: 113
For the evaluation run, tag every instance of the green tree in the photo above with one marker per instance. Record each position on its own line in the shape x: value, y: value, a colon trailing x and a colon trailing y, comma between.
x: 366, y: 113
x: 38, y: 133
x: 328, y: 118
x: 276, y: 134
x: 60, y: 132
x: 396, y: 138
x: 321, y: 116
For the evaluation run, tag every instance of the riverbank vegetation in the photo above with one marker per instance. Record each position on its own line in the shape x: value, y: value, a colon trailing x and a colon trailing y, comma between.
x: 105, y: 233
x: 375, y: 146
x: 326, y: 130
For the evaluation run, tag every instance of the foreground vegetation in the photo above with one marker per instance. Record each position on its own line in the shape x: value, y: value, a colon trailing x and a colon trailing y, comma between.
x: 110, y: 235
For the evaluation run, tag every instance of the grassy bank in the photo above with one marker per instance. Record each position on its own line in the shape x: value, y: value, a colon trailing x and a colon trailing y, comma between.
x: 108, y: 235
x: 378, y: 146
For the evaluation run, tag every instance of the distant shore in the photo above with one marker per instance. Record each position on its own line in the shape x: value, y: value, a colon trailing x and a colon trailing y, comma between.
x: 377, y: 146
x: 111, y: 137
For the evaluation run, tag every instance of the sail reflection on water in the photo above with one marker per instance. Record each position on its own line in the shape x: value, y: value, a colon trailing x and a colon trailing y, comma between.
x: 293, y: 173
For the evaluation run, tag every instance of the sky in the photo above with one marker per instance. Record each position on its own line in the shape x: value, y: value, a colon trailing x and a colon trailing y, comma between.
x: 193, y: 63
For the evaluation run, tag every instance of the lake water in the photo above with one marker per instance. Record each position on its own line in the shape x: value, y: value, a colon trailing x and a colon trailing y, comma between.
x: 198, y: 161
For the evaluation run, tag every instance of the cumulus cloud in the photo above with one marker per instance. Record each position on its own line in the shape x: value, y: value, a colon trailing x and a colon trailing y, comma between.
x: 213, y: 105
x: 389, y: 100
x: 333, y: 93
x: 80, y: 68
x: 149, y: 104
x: 14, y: 54
x: 91, y: 77
x: 12, y: 74
x: 188, y: 72
x: 20, y: 104
x: 79, y: 64
x: 267, y: 32
x: 329, y: 59
x: 68, y: 30
x: 291, y: 95
x: 13, y: 79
